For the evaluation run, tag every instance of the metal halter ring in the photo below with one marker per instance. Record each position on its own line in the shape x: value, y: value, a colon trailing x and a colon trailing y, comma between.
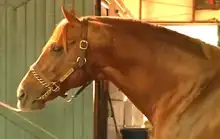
x: 78, y: 61
x: 83, y: 44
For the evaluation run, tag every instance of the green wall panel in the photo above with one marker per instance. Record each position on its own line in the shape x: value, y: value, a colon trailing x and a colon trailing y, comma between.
x: 11, y: 70
x: 24, y: 32
x: 2, y: 127
x: 30, y: 33
x: 3, y: 53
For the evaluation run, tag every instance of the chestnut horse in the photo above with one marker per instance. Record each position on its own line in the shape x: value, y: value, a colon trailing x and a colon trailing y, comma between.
x: 171, y: 78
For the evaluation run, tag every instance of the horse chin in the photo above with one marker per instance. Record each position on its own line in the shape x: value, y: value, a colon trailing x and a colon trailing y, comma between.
x: 38, y: 105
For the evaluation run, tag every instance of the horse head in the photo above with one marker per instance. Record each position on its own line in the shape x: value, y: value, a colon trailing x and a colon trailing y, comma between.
x: 60, y: 66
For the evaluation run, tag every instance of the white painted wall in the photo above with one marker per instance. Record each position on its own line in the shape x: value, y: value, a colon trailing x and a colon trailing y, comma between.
x: 206, y: 33
x: 169, y: 10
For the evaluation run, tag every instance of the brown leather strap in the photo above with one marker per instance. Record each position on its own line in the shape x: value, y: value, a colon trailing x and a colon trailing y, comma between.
x: 83, y: 44
x: 84, y: 29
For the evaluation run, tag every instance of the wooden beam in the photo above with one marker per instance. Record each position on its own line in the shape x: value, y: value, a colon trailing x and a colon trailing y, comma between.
x: 101, y: 99
x: 101, y: 110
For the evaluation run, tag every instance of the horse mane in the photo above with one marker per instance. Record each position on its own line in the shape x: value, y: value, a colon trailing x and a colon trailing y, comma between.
x: 174, y: 38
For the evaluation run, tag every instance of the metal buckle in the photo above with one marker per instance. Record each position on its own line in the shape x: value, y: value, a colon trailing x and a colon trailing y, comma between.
x: 55, y: 87
x: 67, y: 74
x: 81, y: 61
x: 83, y: 44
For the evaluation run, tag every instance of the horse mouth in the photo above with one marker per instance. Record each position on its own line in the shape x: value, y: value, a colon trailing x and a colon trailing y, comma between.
x: 35, y: 105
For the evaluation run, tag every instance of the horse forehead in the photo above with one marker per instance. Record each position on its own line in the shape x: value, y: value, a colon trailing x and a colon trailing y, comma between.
x: 57, y: 33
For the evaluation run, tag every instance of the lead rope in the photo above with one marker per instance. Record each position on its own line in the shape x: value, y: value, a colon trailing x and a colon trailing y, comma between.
x: 69, y: 99
x: 5, y: 105
x: 118, y: 133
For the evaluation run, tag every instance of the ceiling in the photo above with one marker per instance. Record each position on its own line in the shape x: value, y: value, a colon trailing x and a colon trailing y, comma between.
x: 171, y: 11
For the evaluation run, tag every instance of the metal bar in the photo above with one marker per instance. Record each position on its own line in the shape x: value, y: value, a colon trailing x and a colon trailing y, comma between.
x: 140, y: 9
x: 193, y: 10
x: 123, y: 8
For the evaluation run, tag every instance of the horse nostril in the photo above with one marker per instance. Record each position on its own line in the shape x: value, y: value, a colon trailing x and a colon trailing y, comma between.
x: 21, y: 94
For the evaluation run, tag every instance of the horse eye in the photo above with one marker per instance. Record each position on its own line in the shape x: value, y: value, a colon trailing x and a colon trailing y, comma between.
x: 56, y: 48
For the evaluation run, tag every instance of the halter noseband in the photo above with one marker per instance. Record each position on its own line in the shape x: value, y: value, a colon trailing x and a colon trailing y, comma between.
x: 80, y: 61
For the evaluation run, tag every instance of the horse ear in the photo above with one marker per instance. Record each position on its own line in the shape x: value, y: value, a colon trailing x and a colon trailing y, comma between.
x: 70, y: 15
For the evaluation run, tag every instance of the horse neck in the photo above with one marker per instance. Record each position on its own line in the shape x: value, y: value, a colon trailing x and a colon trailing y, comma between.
x: 122, y: 57
x: 119, y: 57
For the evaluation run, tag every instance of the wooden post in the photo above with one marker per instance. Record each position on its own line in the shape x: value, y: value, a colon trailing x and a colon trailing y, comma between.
x: 101, y: 110
x: 101, y: 99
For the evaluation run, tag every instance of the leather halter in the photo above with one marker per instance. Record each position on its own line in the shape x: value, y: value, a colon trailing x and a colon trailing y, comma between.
x: 80, y: 62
